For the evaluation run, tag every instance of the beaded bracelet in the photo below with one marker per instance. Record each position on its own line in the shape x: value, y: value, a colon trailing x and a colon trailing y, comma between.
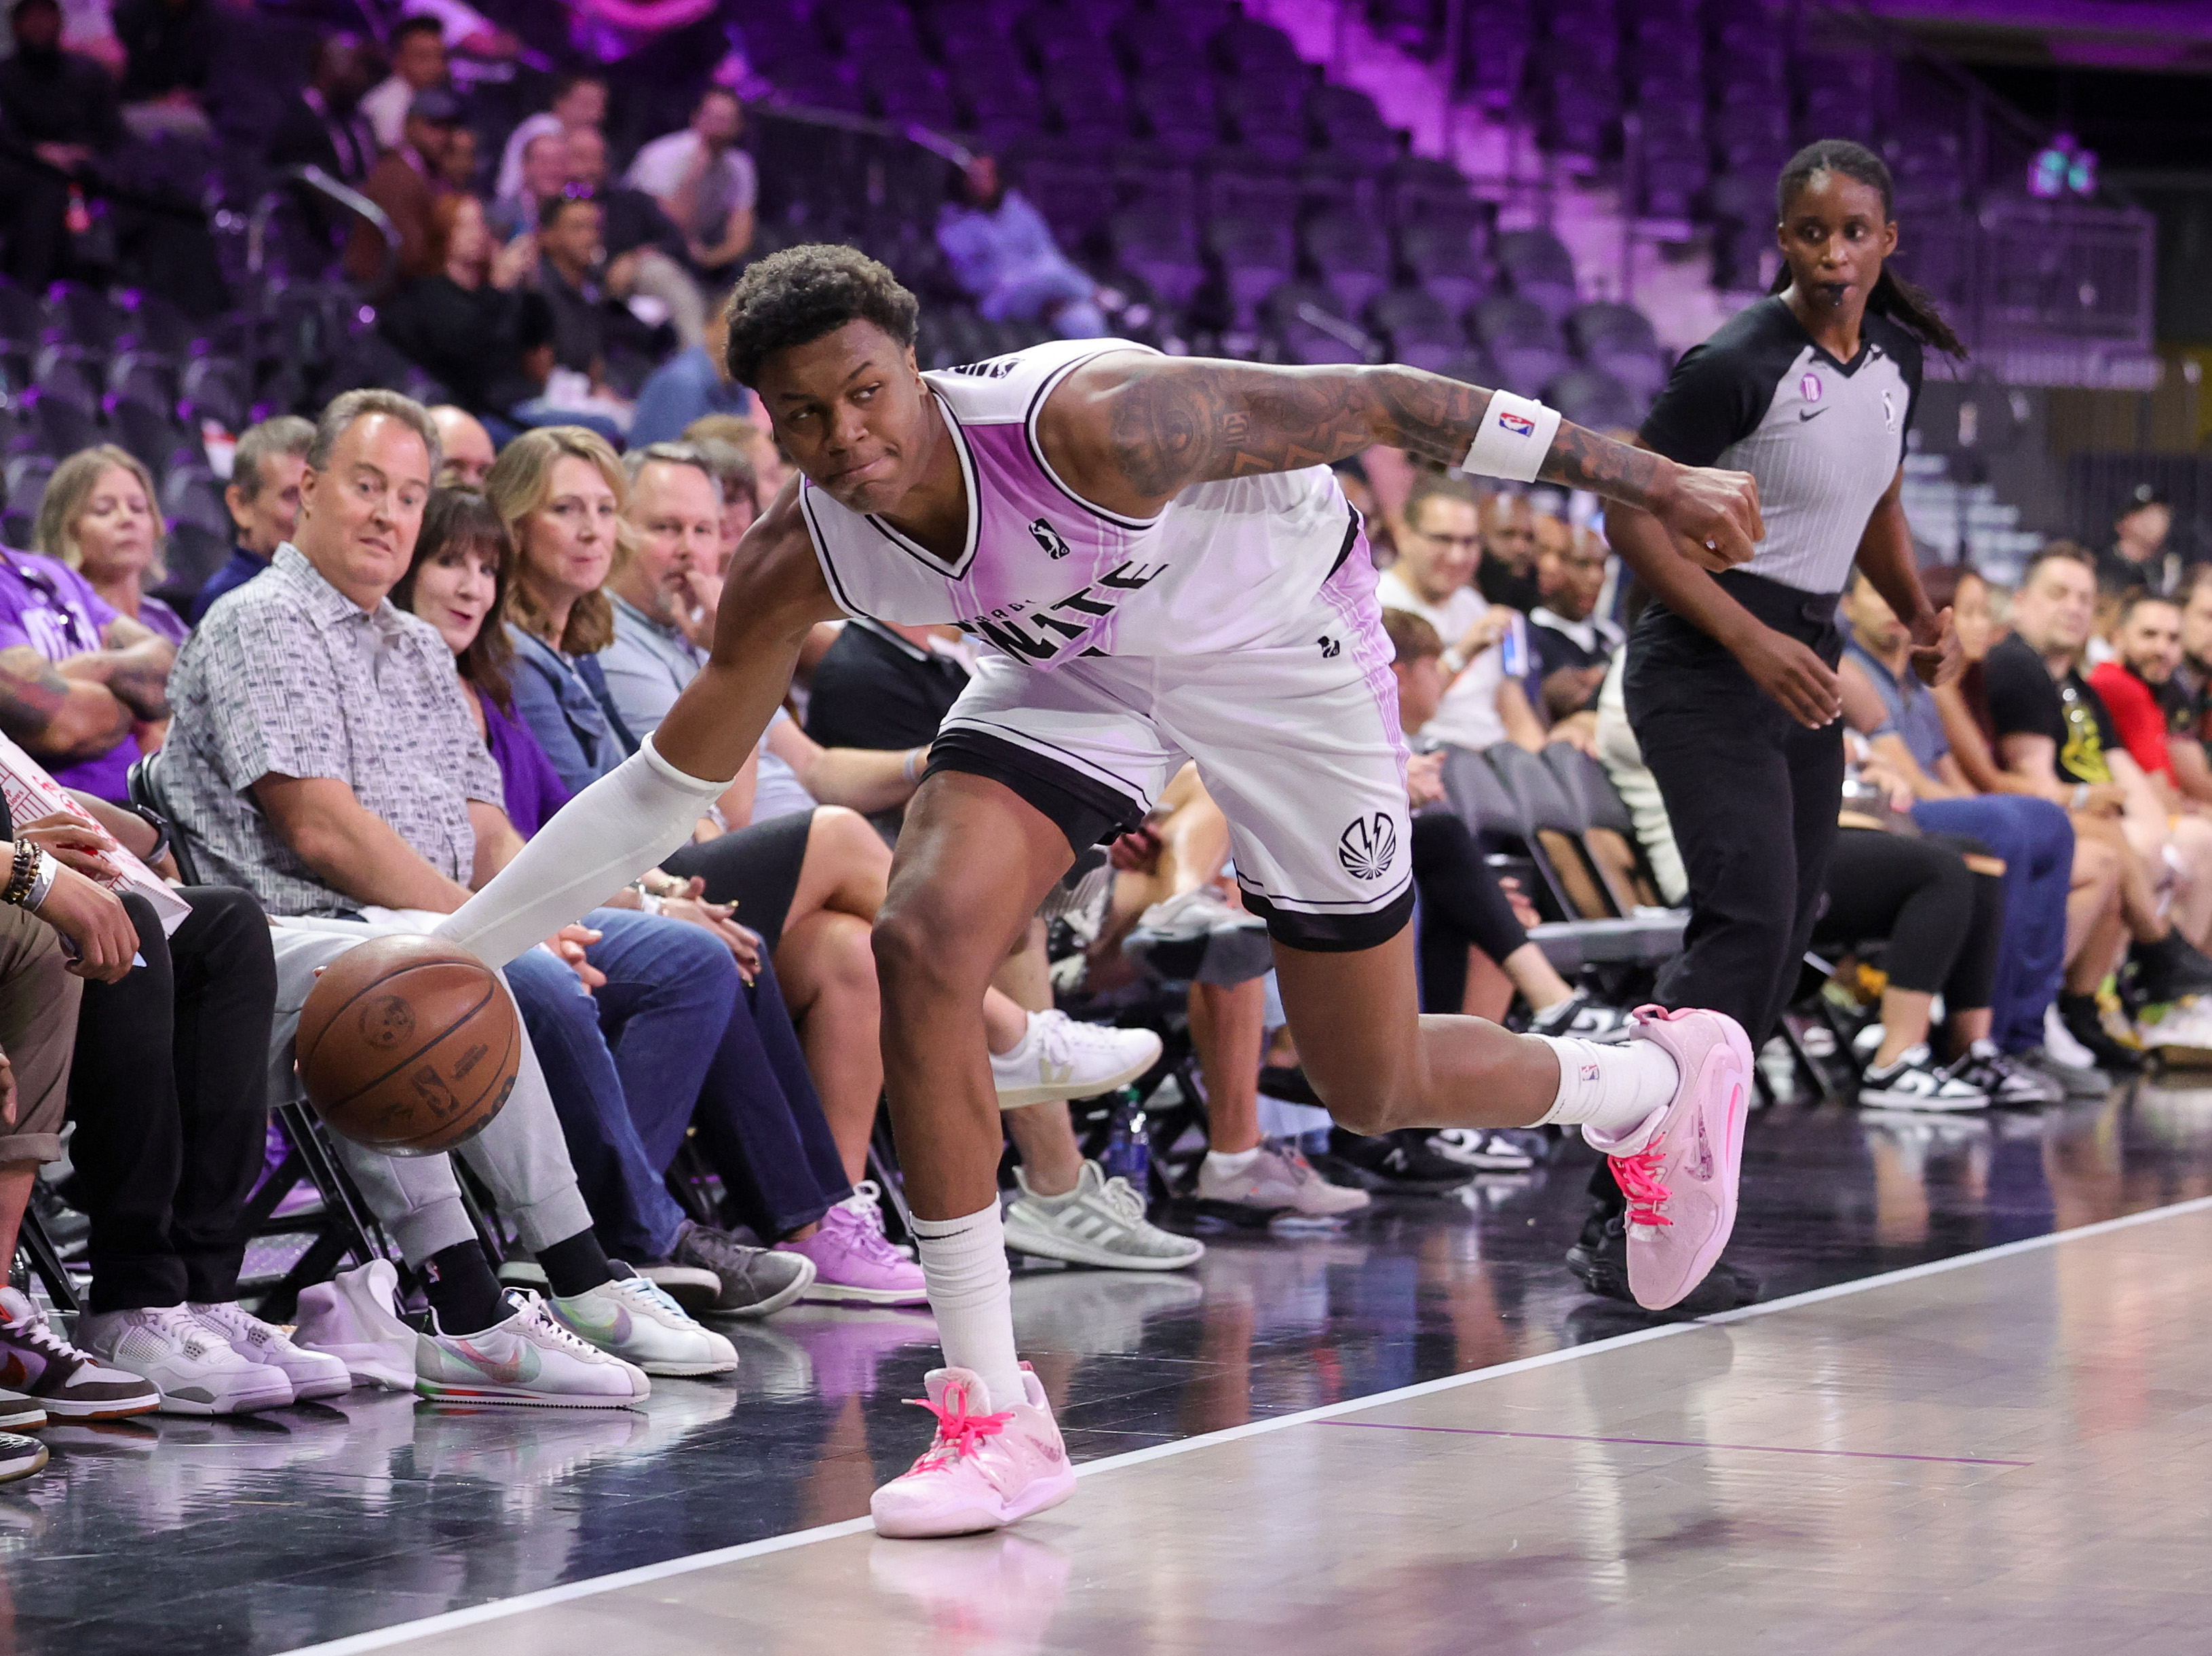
x: 21, y: 874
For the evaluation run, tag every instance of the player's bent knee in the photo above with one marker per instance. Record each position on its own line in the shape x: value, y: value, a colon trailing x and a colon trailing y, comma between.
x: 920, y: 950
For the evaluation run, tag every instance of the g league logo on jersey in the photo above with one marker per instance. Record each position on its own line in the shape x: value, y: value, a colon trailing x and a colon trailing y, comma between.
x: 1049, y: 538
x: 1368, y: 846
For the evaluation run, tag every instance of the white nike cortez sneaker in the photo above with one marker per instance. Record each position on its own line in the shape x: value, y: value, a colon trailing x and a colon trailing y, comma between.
x: 631, y: 1319
x: 193, y: 1364
x: 313, y: 1374
x: 529, y: 1361
x: 1678, y: 1167
x: 1059, y: 1058
x: 351, y: 1318
x: 980, y: 1471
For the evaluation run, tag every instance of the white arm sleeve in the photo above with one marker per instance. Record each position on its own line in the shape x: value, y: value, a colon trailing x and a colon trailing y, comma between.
x: 608, y: 835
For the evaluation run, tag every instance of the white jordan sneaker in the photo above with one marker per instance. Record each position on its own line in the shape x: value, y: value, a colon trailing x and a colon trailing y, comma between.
x: 192, y: 1362
x: 1059, y: 1058
x: 313, y: 1374
x: 637, y: 1322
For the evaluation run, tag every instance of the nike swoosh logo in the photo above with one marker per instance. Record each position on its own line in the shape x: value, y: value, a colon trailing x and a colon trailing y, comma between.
x: 1804, y: 414
x: 1704, y: 1167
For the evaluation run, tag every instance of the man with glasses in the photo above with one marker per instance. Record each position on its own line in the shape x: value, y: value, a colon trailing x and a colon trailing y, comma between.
x: 1487, y: 651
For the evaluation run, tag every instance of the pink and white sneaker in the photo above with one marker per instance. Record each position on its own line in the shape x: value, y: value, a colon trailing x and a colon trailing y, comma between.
x: 1678, y: 1168
x: 980, y: 1471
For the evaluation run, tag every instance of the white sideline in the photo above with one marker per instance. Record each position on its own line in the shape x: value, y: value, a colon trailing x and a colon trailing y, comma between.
x: 386, y: 1638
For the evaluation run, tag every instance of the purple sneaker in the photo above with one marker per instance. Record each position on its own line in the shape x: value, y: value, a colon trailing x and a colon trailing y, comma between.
x: 854, y: 1263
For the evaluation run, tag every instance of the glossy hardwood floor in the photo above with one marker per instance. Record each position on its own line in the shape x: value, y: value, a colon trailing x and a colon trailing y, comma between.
x: 1608, y: 1516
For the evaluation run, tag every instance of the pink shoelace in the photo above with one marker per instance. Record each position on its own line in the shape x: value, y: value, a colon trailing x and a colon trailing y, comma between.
x: 958, y: 1432
x: 1638, y: 1176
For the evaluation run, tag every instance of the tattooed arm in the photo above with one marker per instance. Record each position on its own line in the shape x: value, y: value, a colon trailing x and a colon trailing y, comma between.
x: 134, y: 667
x: 1130, y: 431
x: 56, y: 717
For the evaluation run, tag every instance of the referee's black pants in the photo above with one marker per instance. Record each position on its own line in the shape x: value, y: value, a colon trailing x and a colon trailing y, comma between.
x: 1753, y: 797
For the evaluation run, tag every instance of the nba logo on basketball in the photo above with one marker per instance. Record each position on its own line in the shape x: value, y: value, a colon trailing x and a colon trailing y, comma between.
x: 1519, y: 424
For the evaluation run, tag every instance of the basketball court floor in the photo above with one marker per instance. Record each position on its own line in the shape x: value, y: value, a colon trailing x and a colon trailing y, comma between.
x: 1975, y: 1416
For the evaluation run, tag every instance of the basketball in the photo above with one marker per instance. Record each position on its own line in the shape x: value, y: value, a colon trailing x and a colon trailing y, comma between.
x: 409, y: 1045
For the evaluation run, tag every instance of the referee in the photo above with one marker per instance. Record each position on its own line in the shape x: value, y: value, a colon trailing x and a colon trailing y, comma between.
x: 1730, y: 683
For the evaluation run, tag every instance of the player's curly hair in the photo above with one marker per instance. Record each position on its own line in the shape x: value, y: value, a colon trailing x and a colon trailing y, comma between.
x: 794, y: 297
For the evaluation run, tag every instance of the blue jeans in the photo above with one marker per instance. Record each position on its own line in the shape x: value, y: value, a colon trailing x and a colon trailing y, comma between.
x: 625, y: 1062
x: 760, y: 1121
x: 2036, y: 841
x: 673, y: 1040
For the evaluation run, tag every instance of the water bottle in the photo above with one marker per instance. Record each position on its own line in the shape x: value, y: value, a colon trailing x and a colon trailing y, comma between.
x: 1129, y: 1148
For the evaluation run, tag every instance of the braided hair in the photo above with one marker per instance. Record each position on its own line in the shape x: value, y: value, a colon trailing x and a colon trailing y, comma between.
x: 1903, y: 303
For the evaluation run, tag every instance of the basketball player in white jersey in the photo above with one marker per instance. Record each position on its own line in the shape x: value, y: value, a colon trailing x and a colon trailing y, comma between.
x: 1164, y: 567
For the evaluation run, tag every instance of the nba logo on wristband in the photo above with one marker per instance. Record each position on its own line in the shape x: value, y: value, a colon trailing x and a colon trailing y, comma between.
x: 1512, y: 439
x: 1519, y: 425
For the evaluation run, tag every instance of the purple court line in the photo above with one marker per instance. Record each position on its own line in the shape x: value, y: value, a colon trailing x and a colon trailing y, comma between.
x: 1671, y: 1443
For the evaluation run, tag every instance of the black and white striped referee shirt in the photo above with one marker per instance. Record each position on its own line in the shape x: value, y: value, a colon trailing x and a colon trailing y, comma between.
x: 1823, y: 438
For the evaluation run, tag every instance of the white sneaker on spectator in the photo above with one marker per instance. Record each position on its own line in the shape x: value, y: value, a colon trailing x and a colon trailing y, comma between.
x: 694, y: 1289
x: 1278, y: 1183
x: 193, y: 1364
x: 637, y: 1322
x: 351, y: 1317
x: 1584, y: 1019
x: 1059, y: 1058
x: 1912, y: 1080
x: 1197, y: 936
x: 1100, y: 1223
x: 530, y: 1361
x: 1490, y: 1150
x: 313, y: 1374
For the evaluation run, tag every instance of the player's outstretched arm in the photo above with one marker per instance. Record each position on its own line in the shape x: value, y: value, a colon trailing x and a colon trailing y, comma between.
x: 637, y: 814
x: 1130, y: 431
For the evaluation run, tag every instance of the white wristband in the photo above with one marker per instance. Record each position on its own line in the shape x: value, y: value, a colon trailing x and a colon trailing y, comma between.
x: 1515, y: 435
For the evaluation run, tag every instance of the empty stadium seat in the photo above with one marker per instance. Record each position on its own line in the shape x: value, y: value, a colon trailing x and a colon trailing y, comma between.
x: 1537, y: 266
x: 1351, y: 256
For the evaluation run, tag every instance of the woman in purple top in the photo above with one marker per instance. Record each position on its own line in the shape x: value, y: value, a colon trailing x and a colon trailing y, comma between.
x: 757, y: 1117
x: 81, y: 686
x: 98, y: 517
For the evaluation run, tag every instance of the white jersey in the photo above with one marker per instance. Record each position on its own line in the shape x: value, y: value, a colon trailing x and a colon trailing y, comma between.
x: 1046, y: 577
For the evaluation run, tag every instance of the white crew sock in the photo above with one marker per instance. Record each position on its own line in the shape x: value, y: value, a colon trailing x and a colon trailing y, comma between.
x: 1614, y: 1090
x: 1227, y: 1164
x: 963, y: 1264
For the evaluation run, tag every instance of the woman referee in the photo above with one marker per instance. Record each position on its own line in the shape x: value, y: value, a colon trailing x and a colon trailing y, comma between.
x: 1730, y: 682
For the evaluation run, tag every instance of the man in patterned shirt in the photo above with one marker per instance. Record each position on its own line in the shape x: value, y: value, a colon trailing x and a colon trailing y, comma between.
x: 321, y: 756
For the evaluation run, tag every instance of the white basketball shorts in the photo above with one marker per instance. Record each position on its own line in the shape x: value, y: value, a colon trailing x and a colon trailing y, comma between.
x: 1297, y: 739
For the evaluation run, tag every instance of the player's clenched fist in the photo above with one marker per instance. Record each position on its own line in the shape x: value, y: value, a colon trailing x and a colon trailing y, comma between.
x: 1713, y: 516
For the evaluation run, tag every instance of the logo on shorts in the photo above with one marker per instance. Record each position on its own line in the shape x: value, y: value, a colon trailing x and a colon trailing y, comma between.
x: 1519, y: 424
x: 1049, y: 538
x: 1330, y: 649
x: 1368, y: 846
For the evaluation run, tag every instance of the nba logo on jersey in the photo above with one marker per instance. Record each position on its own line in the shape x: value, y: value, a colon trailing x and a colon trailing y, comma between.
x: 1519, y: 424
x: 1810, y: 388
x: 1049, y: 538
